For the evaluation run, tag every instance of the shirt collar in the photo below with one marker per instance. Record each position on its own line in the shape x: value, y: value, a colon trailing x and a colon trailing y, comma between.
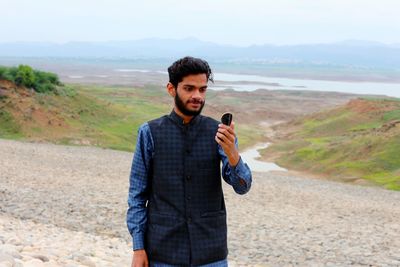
x: 178, y: 120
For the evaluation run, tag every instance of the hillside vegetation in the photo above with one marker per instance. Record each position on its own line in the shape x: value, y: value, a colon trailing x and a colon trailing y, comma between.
x: 360, y: 140
x: 25, y: 76
x: 77, y: 119
x: 104, y: 116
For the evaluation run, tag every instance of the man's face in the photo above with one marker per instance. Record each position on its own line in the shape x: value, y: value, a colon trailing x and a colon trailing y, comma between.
x: 190, y: 94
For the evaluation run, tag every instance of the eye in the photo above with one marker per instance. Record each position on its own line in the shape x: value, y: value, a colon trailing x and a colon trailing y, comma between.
x: 203, y: 90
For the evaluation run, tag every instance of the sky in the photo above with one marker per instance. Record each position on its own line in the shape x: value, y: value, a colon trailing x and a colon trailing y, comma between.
x: 234, y: 22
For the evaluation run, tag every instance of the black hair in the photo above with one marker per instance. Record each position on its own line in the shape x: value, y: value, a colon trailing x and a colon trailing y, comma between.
x: 188, y: 66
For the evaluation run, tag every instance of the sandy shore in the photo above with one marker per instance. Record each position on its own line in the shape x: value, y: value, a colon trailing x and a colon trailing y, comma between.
x: 65, y: 206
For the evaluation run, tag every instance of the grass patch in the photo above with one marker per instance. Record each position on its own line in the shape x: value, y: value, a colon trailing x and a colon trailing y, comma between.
x: 367, y: 126
x: 327, y: 126
x: 392, y: 115
x: 386, y: 179
x: 9, y: 127
x: 248, y: 135
x: 342, y: 143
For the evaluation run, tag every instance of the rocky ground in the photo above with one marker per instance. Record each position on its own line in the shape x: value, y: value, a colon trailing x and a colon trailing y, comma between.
x: 65, y: 206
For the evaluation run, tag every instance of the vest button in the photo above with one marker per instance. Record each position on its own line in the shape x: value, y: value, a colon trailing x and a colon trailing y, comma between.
x: 189, y: 219
x: 188, y: 198
x: 187, y: 151
x: 188, y: 177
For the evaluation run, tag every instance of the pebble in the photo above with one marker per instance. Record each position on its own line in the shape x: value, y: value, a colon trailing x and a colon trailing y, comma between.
x: 34, y: 263
x: 6, y: 259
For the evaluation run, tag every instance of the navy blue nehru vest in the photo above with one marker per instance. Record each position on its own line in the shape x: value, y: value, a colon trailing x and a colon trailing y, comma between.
x: 186, y: 208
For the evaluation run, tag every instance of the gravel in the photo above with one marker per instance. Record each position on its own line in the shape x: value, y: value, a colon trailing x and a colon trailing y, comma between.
x: 66, y: 206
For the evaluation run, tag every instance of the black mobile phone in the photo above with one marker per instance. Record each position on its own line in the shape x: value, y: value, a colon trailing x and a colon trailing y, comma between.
x: 227, y: 118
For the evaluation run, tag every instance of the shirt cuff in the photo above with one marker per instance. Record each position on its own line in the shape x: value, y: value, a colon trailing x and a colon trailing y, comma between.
x: 138, y: 242
x: 240, y: 169
x: 241, y: 172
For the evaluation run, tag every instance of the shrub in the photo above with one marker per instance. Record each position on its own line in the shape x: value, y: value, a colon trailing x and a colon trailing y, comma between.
x: 44, y: 77
x: 45, y: 87
x: 8, y: 73
x: 24, y: 75
x: 2, y: 71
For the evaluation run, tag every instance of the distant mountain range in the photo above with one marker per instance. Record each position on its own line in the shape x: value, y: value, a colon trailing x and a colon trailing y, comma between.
x: 354, y: 53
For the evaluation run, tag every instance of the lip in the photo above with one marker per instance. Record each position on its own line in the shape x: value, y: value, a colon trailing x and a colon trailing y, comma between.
x: 195, y: 104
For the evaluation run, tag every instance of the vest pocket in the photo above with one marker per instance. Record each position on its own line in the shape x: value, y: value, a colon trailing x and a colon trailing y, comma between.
x: 166, y: 237
x: 213, y: 213
x: 210, y: 235
x: 163, y: 219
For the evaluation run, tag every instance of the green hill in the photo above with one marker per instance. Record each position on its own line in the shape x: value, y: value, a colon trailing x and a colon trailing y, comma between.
x: 82, y: 118
x: 104, y: 116
x: 360, y: 140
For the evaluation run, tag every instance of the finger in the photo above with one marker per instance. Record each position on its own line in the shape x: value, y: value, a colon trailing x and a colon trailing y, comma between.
x: 228, y: 128
x: 221, y: 137
x: 218, y: 140
x: 223, y: 140
x: 227, y: 134
x: 231, y: 132
x: 223, y: 145
x: 232, y: 125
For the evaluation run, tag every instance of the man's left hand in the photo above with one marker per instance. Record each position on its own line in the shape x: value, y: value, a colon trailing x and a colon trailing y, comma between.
x: 225, y: 137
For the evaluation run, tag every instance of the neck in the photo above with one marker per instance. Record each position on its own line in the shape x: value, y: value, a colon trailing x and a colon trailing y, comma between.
x: 186, y: 118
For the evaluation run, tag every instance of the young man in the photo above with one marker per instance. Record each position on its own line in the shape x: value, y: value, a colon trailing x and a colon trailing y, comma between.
x: 176, y: 213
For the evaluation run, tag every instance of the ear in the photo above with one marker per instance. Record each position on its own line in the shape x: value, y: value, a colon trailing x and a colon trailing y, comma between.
x: 171, y: 89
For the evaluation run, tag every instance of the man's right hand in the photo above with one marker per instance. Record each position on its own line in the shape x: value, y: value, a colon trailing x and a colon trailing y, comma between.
x: 140, y: 258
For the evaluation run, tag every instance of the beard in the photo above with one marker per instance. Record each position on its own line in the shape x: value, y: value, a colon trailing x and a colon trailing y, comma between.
x: 182, y: 106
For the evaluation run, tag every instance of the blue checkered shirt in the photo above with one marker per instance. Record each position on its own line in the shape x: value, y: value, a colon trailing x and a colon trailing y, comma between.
x: 137, y: 212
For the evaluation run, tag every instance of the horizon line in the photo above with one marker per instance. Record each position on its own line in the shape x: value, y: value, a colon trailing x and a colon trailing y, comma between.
x: 344, y: 41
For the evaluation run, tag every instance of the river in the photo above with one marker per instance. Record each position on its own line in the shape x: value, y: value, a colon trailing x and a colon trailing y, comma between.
x: 242, y: 82
x: 253, y: 82
x: 250, y: 157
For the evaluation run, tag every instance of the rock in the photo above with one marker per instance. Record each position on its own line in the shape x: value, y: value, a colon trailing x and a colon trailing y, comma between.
x: 29, y: 249
x: 14, y: 241
x: 6, y: 259
x: 85, y: 261
x: 6, y: 264
x: 34, y: 263
x: 52, y: 263
x: 41, y: 257
x: 10, y: 250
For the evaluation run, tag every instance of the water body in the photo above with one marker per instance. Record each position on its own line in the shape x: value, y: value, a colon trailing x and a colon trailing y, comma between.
x: 241, y: 82
x: 250, y: 157
x: 132, y: 70
x: 244, y: 82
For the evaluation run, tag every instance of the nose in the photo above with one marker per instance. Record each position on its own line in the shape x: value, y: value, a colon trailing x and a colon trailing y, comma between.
x: 197, y: 94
